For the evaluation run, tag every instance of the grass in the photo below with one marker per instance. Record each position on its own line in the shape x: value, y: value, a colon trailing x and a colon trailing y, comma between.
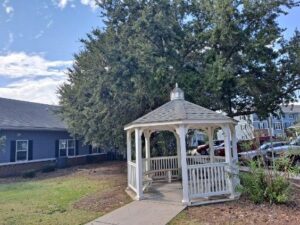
x: 50, y: 201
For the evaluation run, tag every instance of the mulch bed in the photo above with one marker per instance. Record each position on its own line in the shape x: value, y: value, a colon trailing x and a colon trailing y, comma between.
x: 244, y: 212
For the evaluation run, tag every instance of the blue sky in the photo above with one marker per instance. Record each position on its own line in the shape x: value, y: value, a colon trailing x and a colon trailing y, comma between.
x: 39, y: 37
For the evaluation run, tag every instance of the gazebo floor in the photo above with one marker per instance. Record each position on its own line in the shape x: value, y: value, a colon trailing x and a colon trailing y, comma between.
x: 165, y: 192
x: 171, y: 193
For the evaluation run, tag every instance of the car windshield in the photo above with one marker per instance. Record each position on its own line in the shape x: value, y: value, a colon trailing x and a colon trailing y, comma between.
x: 265, y: 146
x: 275, y: 144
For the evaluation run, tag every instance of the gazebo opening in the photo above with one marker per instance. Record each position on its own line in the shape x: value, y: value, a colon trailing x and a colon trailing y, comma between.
x: 202, y: 178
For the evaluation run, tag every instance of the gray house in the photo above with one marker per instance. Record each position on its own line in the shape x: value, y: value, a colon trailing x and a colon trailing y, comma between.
x: 33, y: 132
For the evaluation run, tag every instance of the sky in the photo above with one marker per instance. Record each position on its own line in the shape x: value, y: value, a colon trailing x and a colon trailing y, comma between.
x: 38, y: 39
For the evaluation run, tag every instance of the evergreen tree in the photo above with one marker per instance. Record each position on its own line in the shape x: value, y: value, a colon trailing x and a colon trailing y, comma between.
x: 227, y: 55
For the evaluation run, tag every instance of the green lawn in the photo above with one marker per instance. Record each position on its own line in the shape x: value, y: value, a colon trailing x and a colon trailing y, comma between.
x: 51, y: 201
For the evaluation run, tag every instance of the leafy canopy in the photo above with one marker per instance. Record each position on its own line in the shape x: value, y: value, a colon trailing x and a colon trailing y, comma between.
x: 226, y: 55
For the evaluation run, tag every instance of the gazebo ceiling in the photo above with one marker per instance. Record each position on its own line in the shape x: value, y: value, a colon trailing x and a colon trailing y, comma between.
x: 180, y: 111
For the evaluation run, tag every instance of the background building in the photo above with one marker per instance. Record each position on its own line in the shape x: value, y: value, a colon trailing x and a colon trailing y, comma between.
x: 250, y: 126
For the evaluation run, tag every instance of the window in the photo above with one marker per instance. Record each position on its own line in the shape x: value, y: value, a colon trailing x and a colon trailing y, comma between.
x: 96, y: 150
x: 277, y: 126
x: 21, y: 150
x: 66, y: 147
x: 291, y: 116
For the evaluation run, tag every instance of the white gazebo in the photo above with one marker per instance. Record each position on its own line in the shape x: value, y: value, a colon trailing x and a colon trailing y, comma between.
x: 205, y: 178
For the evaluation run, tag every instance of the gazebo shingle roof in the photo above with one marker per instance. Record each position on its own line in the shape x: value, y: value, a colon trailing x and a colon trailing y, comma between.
x: 178, y: 110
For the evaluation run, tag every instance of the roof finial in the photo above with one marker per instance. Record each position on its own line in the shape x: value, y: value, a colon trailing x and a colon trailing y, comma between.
x: 177, y: 93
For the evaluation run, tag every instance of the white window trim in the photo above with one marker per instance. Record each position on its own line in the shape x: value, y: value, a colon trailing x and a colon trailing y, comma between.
x: 279, y: 125
x: 67, y: 147
x: 16, y: 156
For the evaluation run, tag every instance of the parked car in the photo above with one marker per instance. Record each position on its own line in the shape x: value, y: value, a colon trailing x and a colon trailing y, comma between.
x: 293, y: 146
x: 260, y: 152
x: 220, y: 150
x: 200, y: 150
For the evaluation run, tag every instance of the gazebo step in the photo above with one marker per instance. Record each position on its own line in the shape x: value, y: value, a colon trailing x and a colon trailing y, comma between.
x: 205, y: 201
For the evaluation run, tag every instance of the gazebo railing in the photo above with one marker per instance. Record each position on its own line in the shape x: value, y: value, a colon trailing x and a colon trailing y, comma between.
x: 132, y: 175
x: 206, y: 180
x: 197, y: 159
x: 160, y: 166
x: 202, y: 159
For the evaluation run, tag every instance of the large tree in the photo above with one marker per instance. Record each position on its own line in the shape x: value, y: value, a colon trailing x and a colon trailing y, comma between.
x: 227, y: 55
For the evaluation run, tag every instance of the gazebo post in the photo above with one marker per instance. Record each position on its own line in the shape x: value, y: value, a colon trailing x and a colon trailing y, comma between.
x: 236, y: 180
x: 147, y: 135
x: 181, y: 131
x: 234, y: 144
x: 210, y: 132
x: 128, y: 134
x: 139, y: 165
x: 228, y: 158
x: 178, y: 150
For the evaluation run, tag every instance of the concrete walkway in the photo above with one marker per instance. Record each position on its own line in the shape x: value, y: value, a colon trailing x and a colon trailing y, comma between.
x: 160, y: 206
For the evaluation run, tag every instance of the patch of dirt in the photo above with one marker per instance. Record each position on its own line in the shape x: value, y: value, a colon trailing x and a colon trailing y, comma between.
x: 115, y: 197
x: 104, y: 202
x: 243, y: 212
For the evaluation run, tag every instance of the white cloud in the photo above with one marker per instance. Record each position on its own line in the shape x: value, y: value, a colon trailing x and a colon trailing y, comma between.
x: 62, y: 3
x: 34, y: 77
x: 9, y: 10
x: 20, y: 64
x: 90, y: 3
x: 7, y: 7
x: 42, y: 91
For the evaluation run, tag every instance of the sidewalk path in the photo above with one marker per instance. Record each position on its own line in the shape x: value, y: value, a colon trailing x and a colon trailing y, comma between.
x: 145, y: 212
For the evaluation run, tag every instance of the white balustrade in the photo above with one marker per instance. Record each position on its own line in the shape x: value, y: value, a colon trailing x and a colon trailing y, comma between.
x: 202, y: 159
x: 132, y: 175
x: 207, y: 180
x: 160, y: 166
x: 197, y: 159
x: 219, y: 158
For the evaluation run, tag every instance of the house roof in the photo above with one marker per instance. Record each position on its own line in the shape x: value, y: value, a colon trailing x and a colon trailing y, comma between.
x: 180, y: 110
x: 21, y: 115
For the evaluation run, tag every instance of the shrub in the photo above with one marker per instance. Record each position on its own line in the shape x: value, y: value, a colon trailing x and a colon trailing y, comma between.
x: 253, y: 184
x: 262, y: 185
x: 48, y: 169
x: 29, y: 174
x: 279, y: 190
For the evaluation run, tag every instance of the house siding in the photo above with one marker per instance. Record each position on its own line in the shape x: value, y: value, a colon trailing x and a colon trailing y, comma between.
x: 43, y: 143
